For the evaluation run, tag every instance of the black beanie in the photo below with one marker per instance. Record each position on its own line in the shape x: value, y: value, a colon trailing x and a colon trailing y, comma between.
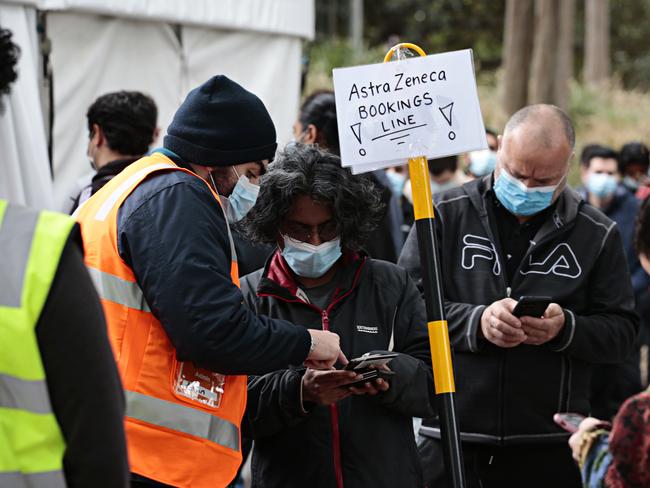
x: 221, y: 124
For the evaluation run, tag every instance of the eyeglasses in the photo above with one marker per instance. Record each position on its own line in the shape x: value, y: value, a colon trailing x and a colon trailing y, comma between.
x: 303, y: 232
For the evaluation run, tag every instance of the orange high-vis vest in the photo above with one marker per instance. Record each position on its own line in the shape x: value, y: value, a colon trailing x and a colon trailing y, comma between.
x: 182, y: 422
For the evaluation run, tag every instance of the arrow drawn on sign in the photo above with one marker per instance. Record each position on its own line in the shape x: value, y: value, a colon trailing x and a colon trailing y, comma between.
x: 449, y: 107
x: 356, y: 130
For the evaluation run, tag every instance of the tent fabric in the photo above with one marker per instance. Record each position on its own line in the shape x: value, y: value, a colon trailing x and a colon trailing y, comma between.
x: 93, y: 55
x: 267, y: 65
x: 287, y: 17
x: 24, y: 163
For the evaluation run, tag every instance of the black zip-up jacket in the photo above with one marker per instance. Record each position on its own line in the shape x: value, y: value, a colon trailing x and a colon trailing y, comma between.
x: 375, y: 307
x: 509, y: 396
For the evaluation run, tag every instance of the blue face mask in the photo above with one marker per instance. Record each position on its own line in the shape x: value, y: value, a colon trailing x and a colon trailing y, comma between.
x: 241, y: 200
x: 308, y: 260
x: 397, y: 182
x: 438, y: 187
x: 601, y: 185
x: 483, y: 162
x: 518, y: 198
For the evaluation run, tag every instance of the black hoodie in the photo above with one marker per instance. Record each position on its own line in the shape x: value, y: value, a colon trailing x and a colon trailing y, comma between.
x: 509, y: 396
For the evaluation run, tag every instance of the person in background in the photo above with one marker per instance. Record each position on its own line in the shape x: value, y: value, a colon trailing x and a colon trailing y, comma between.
x: 61, y: 400
x: 483, y: 162
x: 635, y: 162
x: 619, y: 458
x: 601, y: 177
x: 121, y: 127
x: 443, y: 173
x: 310, y: 429
x: 317, y: 124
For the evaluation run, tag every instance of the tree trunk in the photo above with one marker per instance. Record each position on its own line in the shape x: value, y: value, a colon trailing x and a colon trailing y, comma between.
x: 597, y: 68
x: 564, y: 66
x: 517, y: 46
x: 542, y: 77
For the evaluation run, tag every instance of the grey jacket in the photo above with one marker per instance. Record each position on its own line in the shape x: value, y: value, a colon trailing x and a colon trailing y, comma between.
x: 507, y: 396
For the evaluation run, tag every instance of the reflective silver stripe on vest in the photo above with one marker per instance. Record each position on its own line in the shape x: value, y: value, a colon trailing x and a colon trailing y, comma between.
x: 49, y: 479
x: 16, y: 235
x: 182, y: 419
x: 233, y: 251
x: 118, y: 290
x: 31, y: 396
x: 110, y: 202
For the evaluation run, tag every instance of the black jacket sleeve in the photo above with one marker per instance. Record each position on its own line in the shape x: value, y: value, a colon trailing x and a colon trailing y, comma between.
x: 608, y: 332
x: 274, y: 399
x: 177, y: 244
x: 84, y: 386
x: 411, y: 388
x: 463, y: 318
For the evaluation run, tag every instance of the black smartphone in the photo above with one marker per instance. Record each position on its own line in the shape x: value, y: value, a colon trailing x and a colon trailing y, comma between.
x: 368, y: 360
x: 531, y: 306
x: 370, y: 375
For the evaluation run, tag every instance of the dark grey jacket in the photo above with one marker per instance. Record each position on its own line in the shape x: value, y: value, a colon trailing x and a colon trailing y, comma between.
x: 375, y: 308
x: 507, y: 396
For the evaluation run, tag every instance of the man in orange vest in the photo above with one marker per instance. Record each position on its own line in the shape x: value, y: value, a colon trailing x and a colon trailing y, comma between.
x: 159, y: 249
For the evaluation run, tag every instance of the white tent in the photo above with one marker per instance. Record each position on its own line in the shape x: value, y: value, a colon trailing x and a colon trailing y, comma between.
x: 160, y: 47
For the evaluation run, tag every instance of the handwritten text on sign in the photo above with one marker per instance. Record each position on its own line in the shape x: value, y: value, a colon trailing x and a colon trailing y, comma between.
x: 420, y: 106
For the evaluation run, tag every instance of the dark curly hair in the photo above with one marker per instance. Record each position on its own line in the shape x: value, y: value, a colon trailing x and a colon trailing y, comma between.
x: 9, y: 54
x: 128, y: 120
x: 303, y: 169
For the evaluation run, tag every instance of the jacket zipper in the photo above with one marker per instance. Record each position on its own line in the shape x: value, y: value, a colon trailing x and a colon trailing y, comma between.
x: 334, y: 412
x: 334, y: 417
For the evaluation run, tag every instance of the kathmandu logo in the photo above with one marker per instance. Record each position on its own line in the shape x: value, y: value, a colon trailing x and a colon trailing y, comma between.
x: 367, y: 330
x: 476, y: 247
x: 561, y: 261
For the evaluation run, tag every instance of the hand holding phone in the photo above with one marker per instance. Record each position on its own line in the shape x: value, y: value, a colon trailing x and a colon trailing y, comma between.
x: 570, y: 421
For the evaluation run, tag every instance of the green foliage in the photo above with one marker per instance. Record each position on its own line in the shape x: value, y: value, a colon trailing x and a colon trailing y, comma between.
x: 630, y: 38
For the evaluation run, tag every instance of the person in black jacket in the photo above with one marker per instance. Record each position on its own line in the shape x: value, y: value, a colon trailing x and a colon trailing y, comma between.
x: 310, y: 429
x: 121, y: 127
x: 522, y: 231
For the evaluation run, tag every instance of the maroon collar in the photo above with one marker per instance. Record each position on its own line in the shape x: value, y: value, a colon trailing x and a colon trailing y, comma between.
x: 278, y: 274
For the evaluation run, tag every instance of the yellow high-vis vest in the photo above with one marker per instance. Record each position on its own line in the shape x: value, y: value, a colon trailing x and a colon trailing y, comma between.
x: 31, y: 443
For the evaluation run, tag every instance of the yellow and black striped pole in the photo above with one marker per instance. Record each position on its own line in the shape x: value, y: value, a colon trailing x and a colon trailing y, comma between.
x: 443, y: 371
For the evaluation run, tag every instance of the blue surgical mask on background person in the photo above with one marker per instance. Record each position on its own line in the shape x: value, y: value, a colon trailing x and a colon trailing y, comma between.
x: 309, y: 260
x: 482, y: 162
x: 518, y: 198
x: 631, y: 183
x: 601, y: 185
x: 438, y: 187
x: 397, y: 182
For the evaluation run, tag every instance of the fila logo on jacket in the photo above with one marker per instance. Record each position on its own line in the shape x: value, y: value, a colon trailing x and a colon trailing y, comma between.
x: 560, y: 261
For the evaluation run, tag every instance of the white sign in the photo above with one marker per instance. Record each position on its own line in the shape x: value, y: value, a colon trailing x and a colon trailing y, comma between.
x: 390, y: 112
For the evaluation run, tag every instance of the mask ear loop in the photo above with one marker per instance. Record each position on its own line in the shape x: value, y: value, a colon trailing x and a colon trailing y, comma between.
x: 214, y: 185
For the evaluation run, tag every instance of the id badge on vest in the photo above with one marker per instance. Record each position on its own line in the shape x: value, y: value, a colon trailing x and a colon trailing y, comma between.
x: 198, y: 385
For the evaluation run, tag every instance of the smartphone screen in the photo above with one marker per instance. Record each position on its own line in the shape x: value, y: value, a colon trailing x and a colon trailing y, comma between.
x: 568, y: 421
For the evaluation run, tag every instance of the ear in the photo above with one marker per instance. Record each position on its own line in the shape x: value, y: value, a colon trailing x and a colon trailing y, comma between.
x: 156, y: 133
x: 499, y: 142
x: 311, y: 134
x: 98, y: 138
